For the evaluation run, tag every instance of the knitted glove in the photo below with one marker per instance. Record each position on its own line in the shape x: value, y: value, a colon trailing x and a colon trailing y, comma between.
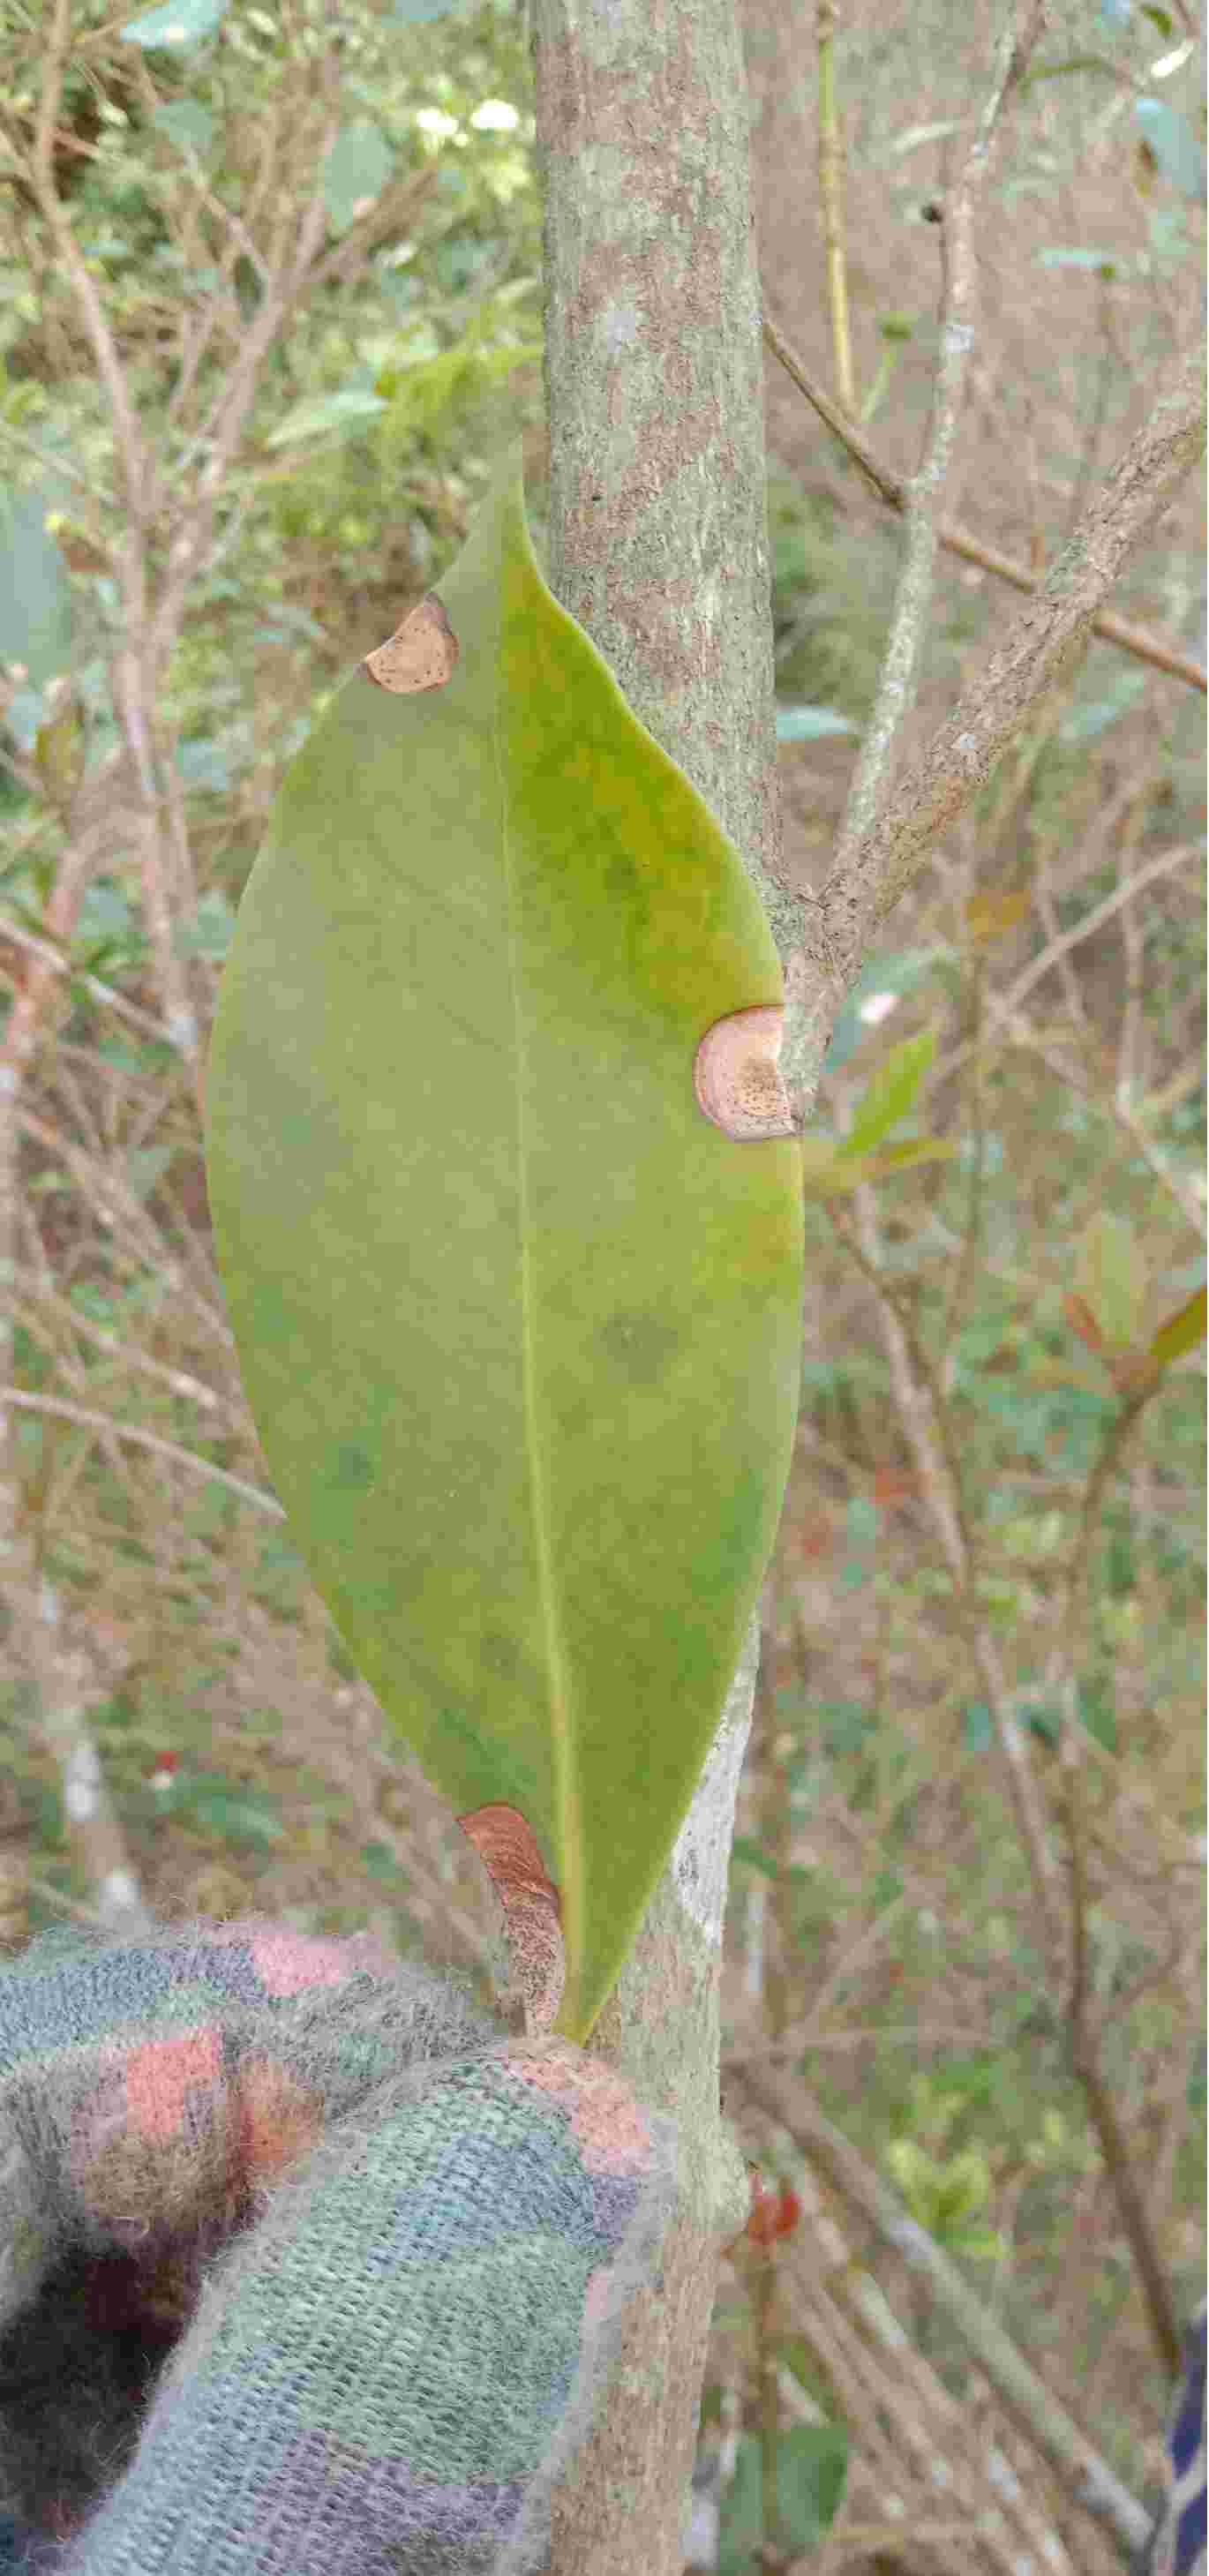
x: 389, y: 2245
x: 1180, y: 2546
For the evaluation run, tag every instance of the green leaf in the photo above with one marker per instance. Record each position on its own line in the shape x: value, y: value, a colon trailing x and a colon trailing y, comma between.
x: 1176, y: 148
x: 1180, y: 1333
x: 829, y: 1173
x: 178, y: 23
x: 977, y: 1731
x: 1111, y: 1274
x: 881, y: 984
x: 1106, y: 263
x: 1089, y: 721
x: 239, y: 1814
x: 35, y: 593
x: 355, y: 172
x: 890, y: 1094
x: 210, y: 932
x: 811, y: 724
x: 811, y: 2470
x: 347, y: 411
x: 188, y: 125
x: 518, y: 1321
x: 754, y: 1855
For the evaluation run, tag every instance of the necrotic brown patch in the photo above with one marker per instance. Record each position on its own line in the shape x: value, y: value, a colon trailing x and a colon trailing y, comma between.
x: 421, y: 653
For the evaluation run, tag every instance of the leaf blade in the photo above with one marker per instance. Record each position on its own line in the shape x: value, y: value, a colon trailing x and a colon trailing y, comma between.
x: 452, y: 1086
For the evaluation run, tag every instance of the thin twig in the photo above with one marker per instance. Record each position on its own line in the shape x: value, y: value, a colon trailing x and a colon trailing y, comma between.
x: 923, y: 1414
x: 144, y: 1440
x: 1090, y: 922
x: 141, y: 480
x: 890, y: 488
x: 176, y: 1380
x: 1084, y: 2041
x: 1018, y: 1033
x: 831, y: 200
x: 1035, y: 652
x: 92, y: 984
x: 873, y: 774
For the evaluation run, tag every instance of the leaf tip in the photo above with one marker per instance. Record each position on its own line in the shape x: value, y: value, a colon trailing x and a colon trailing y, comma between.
x: 736, y: 1074
x: 421, y: 653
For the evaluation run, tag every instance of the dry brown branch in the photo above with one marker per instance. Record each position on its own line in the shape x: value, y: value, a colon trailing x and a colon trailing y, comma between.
x: 1022, y: 669
x: 890, y: 488
x: 923, y: 1417
x: 831, y: 200
x: 127, y: 1354
x: 873, y: 774
x: 104, y: 1423
x: 57, y: 964
x: 1123, y: 894
x: 59, y: 1679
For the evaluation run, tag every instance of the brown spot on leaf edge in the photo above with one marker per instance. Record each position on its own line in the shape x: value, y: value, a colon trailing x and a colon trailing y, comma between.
x: 421, y: 653
x: 736, y: 1074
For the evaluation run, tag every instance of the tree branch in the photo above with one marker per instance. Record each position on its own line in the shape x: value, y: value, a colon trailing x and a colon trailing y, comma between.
x: 956, y: 540
x: 897, y: 685
x: 1033, y: 655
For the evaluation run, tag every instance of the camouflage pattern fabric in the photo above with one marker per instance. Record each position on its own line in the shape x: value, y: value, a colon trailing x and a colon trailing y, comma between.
x: 305, y: 2269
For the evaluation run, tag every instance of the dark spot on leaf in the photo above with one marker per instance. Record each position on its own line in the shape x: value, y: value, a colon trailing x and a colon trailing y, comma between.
x: 352, y: 1468
x: 641, y: 1344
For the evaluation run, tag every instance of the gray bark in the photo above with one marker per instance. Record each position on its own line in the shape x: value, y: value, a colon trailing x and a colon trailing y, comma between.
x: 658, y: 546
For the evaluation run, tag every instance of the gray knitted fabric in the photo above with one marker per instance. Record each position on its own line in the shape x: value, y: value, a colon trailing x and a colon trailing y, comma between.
x: 375, y: 2250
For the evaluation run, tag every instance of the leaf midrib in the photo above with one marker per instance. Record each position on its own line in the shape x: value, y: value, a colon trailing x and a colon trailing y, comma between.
x: 563, y: 1802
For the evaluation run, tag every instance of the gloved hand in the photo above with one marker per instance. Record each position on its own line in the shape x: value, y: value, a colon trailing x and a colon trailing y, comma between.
x: 1180, y: 2543
x: 388, y: 2243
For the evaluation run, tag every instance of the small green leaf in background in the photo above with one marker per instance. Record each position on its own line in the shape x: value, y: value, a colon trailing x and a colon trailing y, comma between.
x: 1180, y: 1333
x: 232, y: 1810
x: 890, y: 1093
x: 518, y: 1323
x: 977, y: 1731
x: 187, y: 124
x: 345, y: 411
x: 1105, y: 263
x: 60, y: 745
x: 1179, y: 153
x: 879, y: 986
x: 811, y: 2471
x: 355, y: 172
x: 211, y: 930
x: 35, y: 592
x: 811, y: 724
x: 1111, y: 1274
x: 1093, y: 719
x: 204, y: 764
x: 829, y: 1173
x: 754, y: 1855
x: 179, y: 23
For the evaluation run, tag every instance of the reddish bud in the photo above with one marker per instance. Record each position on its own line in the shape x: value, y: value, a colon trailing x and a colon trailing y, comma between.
x: 775, y: 2210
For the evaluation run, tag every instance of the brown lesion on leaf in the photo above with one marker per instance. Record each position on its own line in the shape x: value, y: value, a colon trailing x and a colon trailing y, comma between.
x: 736, y: 1074
x: 509, y: 1851
x: 421, y: 653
